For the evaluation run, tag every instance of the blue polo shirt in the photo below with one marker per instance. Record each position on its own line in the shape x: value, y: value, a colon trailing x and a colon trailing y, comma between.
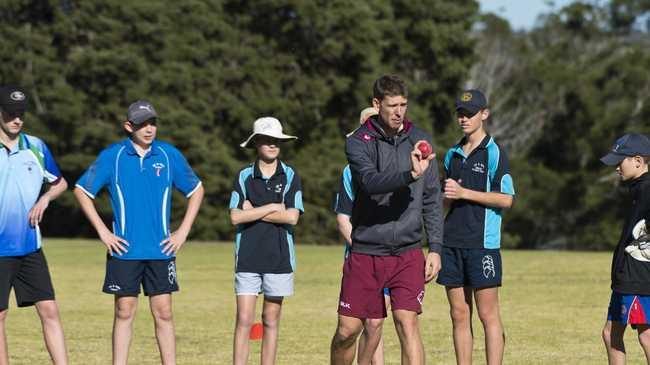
x: 140, y: 193
x: 263, y: 247
x: 469, y: 224
x: 345, y: 198
x: 23, y: 169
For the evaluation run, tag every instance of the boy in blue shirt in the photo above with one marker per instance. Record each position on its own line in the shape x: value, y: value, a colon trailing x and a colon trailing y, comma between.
x: 265, y: 204
x: 25, y: 164
x: 478, y: 187
x: 139, y: 173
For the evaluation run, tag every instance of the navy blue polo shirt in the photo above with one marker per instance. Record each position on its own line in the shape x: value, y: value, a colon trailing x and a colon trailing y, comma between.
x: 263, y: 247
x: 140, y: 192
x: 469, y: 224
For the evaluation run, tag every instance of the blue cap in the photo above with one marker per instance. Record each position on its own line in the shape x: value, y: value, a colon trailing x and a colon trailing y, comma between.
x: 471, y: 100
x: 632, y: 144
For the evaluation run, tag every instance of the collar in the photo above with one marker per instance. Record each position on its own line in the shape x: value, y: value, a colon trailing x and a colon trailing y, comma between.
x: 375, y: 127
x: 638, y: 183
x: 23, y: 144
x: 257, y: 173
x: 458, y: 147
x: 153, y: 150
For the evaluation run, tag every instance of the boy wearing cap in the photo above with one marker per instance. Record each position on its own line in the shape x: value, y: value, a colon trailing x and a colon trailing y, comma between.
x: 265, y: 204
x: 25, y: 164
x: 478, y: 187
x: 139, y: 173
x: 630, y: 275
x: 397, y: 194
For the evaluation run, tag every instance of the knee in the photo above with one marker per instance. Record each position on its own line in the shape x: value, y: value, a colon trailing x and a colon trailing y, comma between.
x: 345, y: 336
x: 489, y: 317
x: 163, y: 315
x: 373, y: 325
x: 644, y: 338
x: 245, y: 319
x: 48, y: 311
x: 270, y: 321
x: 460, y: 314
x: 607, y: 336
x: 124, y: 312
x: 407, y: 324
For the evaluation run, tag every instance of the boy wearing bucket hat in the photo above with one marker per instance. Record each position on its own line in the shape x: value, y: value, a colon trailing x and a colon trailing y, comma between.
x: 478, y: 187
x: 630, y: 299
x: 25, y: 164
x: 139, y: 173
x: 265, y: 204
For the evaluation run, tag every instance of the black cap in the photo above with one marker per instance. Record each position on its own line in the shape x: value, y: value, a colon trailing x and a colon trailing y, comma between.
x: 13, y: 100
x: 140, y: 112
x: 632, y: 144
x: 471, y: 100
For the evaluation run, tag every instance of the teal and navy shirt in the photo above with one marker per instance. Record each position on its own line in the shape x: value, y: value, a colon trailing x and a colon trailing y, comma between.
x: 23, y: 169
x: 140, y: 189
x: 469, y: 224
x: 345, y: 198
x: 263, y: 247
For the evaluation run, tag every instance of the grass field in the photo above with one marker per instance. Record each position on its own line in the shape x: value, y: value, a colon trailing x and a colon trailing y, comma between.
x: 553, y: 308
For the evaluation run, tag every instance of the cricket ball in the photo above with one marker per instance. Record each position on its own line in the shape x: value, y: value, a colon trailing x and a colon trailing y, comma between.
x: 425, y: 149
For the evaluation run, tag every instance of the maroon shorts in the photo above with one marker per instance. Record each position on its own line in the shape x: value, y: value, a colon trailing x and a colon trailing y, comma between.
x: 366, y: 276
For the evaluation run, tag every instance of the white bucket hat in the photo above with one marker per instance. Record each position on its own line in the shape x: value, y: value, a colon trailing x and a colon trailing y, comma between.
x: 267, y: 126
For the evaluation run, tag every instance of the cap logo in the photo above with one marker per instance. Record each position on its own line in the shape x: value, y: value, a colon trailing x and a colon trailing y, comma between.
x: 145, y: 107
x: 266, y: 126
x: 616, y: 147
x: 17, y: 96
x: 466, y: 97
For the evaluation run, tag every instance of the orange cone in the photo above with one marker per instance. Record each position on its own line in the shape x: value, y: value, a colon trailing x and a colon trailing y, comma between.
x: 257, y: 331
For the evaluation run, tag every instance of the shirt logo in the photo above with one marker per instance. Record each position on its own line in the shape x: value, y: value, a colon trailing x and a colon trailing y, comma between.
x: 30, y: 165
x: 158, y: 166
x: 478, y: 167
x: 17, y: 96
x: 278, y: 188
x: 488, y: 266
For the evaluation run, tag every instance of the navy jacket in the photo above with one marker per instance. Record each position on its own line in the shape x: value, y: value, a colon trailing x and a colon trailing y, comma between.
x: 391, y: 207
x: 631, y: 276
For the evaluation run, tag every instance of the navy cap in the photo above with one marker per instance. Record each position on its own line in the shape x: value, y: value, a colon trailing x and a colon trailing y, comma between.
x: 140, y: 112
x: 471, y: 100
x: 632, y: 144
x: 13, y: 100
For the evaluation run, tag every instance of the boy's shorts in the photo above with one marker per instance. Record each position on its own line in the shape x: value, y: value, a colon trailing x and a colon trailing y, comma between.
x: 365, y: 278
x: 272, y: 285
x: 470, y: 267
x: 629, y: 309
x: 124, y: 277
x: 29, y: 276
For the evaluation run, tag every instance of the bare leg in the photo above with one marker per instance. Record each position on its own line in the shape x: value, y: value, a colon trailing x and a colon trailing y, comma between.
x: 487, y: 305
x: 4, y: 354
x: 613, y: 333
x: 378, y: 357
x: 406, y: 324
x: 271, y: 320
x: 644, y: 339
x: 52, y: 331
x: 344, y: 340
x: 245, y: 319
x: 161, y: 310
x: 372, y: 334
x: 125, y: 308
x: 460, y: 303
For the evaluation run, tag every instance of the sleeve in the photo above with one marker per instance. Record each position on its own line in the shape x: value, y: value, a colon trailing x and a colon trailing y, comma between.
x: 432, y: 212
x: 98, y: 174
x: 500, y: 178
x: 293, y: 192
x: 345, y: 195
x: 447, y: 162
x: 50, y: 168
x: 365, y: 169
x: 237, y: 197
x: 183, y: 177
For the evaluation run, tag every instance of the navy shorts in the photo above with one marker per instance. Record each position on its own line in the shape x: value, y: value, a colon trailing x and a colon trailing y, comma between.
x: 124, y: 277
x: 29, y: 276
x: 470, y: 267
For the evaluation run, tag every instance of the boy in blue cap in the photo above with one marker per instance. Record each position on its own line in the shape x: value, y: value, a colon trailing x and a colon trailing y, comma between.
x: 139, y: 173
x: 630, y: 300
x: 25, y: 164
x: 265, y: 204
x: 478, y: 187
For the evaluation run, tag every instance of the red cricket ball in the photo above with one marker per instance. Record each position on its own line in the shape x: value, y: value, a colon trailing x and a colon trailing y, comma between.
x: 425, y: 149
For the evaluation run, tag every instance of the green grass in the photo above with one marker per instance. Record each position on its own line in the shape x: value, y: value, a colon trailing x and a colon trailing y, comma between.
x: 553, y: 306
